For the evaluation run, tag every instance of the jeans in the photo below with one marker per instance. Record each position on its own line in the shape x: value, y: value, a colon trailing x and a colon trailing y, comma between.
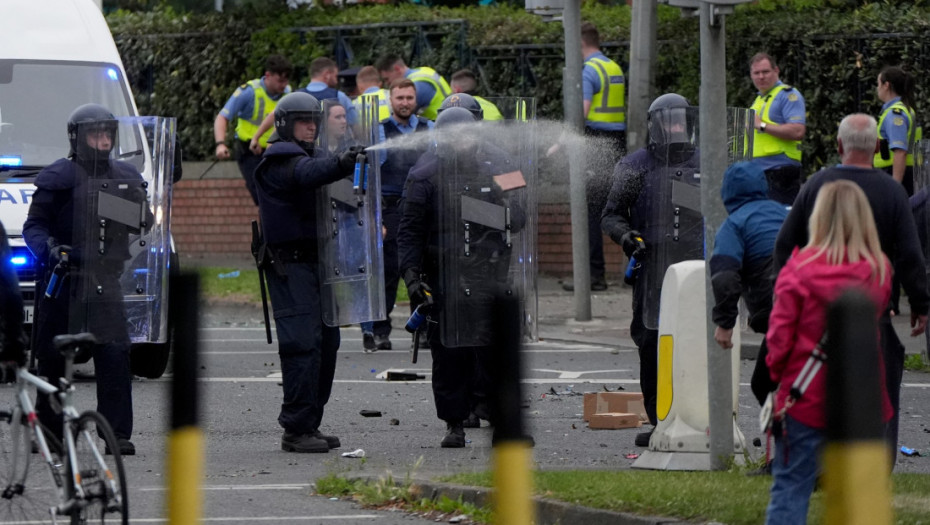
x: 794, y: 469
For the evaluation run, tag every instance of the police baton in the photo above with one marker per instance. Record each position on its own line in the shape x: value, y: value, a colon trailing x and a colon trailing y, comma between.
x: 210, y: 167
x: 258, y: 252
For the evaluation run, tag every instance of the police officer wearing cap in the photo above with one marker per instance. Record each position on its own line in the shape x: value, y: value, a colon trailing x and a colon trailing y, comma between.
x: 780, y: 126
x: 432, y: 88
x: 422, y: 251
x: 249, y: 105
x: 398, y: 160
x: 48, y: 232
x: 897, y: 126
x: 627, y: 220
x: 291, y: 171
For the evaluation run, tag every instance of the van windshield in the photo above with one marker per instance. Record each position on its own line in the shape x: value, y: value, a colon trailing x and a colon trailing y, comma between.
x: 37, y: 97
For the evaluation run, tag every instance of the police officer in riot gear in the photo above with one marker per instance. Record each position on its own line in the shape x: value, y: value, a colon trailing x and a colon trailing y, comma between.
x: 286, y: 181
x: 636, y: 196
x: 52, y: 229
x: 434, y: 258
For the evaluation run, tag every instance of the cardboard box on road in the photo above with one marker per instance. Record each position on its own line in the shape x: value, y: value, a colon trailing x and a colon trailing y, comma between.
x: 614, y: 420
x: 614, y: 402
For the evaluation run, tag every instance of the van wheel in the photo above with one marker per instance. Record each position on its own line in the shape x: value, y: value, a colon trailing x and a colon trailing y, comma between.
x: 149, y: 360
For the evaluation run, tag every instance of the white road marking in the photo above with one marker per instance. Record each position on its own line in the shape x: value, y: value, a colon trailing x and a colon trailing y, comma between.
x: 253, y: 519
x: 529, y: 381
x: 568, y: 374
x: 264, y: 486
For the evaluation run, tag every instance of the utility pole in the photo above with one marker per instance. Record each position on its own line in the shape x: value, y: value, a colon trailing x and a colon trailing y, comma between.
x: 641, y: 78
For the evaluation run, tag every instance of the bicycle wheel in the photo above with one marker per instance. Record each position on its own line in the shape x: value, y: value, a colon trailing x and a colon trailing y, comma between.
x: 27, y: 491
x: 103, y: 478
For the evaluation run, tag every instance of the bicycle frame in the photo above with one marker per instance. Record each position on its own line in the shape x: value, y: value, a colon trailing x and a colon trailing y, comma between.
x: 25, y: 407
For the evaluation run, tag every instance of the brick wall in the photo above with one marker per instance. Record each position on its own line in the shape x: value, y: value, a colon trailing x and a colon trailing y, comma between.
x: 211, y: 220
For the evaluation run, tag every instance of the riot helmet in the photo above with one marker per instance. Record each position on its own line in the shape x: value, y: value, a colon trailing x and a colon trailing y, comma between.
x: 455, y: 116
x: 455, y: 136
x: 671, y: 127
x: 462, y: 100
x: 295, y: 107
x: 92, y: 133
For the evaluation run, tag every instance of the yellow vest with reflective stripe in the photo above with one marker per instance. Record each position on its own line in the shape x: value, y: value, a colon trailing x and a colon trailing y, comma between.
x: 607, y: 104
x: 765, y: 145
x: 430, y: 76
x: 913, y: 135
x: 262, y: 105
x: 384, y: 103
x: 490, y: 110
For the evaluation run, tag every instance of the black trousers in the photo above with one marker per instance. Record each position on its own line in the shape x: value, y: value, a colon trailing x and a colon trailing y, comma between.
x: 248, y: 161
x: 784, y: 183
x: 306, y: 346
x: 893, y: 355
x: 111, y: 364
x: 460, y: 379
x: 647, y: 341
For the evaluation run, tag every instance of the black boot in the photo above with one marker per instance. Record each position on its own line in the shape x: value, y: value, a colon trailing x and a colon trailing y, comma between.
x: 455, y: 436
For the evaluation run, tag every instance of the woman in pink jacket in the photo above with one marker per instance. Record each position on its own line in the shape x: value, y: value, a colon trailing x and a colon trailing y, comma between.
x: 843, y: 252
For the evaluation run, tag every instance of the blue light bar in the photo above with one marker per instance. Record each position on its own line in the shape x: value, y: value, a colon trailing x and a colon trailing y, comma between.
x: 11, y: 160
x: 112, y: 74
x: 19, y: 260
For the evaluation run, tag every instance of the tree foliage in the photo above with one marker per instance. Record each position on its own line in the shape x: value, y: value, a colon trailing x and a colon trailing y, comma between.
x: 186, y: 65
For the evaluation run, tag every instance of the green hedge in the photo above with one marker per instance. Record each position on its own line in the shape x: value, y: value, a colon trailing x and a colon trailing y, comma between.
x: 186, y: 65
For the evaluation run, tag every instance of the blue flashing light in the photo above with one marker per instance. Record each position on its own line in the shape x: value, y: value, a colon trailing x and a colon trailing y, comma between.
x: 19, y: 260
x: 11, y: 160
x: 112, y: 74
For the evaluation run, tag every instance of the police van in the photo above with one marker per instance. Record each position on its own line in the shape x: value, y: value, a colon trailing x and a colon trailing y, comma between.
x: 55, y: 55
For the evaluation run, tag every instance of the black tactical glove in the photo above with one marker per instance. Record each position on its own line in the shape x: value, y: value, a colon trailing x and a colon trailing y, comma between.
x: 416, y: 288
x: 54, y: 252
x: 631, y: 242
x: 348, y: 157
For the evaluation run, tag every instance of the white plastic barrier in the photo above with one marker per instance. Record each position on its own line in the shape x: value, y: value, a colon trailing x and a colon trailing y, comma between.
x: 681, y: 439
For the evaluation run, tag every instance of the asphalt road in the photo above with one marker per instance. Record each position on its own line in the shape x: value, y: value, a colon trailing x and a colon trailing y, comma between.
x: 249, y: 479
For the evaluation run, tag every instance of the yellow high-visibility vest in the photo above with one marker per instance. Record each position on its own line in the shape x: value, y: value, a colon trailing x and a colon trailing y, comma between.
x: 429, y: 75
x: 490, y: 110
x: 607, y: 104
x: 262, y: 105
x: 384, y: 103
x: 765, y: 145
x: 913, y: 135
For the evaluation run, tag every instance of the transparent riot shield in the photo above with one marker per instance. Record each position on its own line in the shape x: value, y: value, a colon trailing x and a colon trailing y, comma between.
x: 518, y: 136
x: 487, y: 228
x: 921, y: 188
x: 740, y: 128
x: 118, y: 265
x: 677, y: 228
x: 349, y: 219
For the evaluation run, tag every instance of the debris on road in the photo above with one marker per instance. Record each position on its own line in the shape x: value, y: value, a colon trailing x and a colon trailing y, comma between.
x: 370, y: 413
x: 357, y: 453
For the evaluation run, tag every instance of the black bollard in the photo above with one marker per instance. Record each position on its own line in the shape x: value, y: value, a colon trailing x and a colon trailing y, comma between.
x: 185, y: 444
x: 513, y: 497
x: 855, y: 461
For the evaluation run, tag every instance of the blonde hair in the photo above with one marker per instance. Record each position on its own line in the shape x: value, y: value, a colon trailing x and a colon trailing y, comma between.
x: 842, y: 227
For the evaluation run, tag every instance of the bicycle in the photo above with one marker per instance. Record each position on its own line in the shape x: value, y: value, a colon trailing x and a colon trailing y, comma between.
x: 86, y: 487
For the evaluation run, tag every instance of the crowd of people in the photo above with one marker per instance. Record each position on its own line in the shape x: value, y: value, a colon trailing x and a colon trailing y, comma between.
x: 789, y: 246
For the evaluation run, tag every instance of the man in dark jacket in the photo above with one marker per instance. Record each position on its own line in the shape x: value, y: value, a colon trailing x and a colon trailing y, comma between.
x: 12, y: 347
x: 741, y: 265
x: 640, y: 188
x: 286, y: 182
x: 461, y: 267
x: 857, y: 140
x: 51, y: 230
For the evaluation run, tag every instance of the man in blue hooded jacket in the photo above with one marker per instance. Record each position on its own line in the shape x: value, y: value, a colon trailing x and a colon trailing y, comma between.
x: 742, y: 264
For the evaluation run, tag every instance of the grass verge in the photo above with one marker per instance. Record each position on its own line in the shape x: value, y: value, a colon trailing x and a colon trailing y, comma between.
x: 388, y: 494
x: 916, y: 363
x: 242, y: 287
x: 725, y: 497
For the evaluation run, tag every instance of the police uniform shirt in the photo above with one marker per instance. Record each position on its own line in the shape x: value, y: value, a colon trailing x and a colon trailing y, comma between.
x: 241, y: 103
x: 895, y: 126
x: 786, y: 108
x: 591, y: 84
x: 351, y: 112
